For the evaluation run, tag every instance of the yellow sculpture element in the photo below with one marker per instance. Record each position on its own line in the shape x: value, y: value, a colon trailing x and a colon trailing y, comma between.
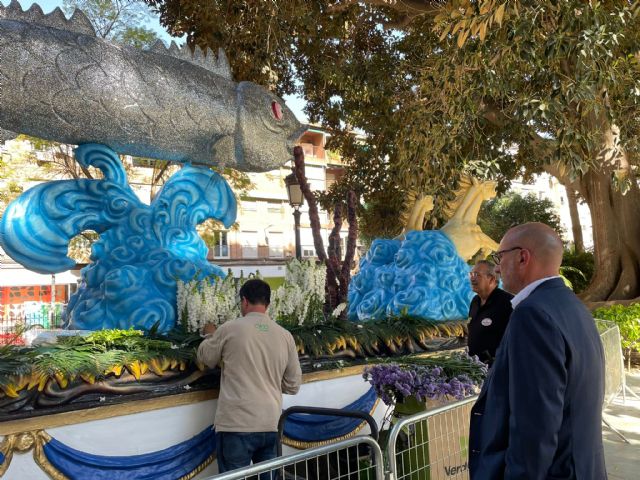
x: 462, y: 227
x: 421, y: 207
x: 415, y: 209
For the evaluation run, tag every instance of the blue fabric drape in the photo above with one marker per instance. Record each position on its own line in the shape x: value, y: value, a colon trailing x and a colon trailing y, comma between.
x: 1, y: 458
x: 316, y: 428
x: 181, y: 459
x: 168, y: 464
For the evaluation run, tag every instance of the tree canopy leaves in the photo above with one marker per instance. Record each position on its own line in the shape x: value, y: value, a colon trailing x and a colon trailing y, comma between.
x: 437, y: 89
x: 457, y: 87
x: 118, y: 20
x: 500, y: 214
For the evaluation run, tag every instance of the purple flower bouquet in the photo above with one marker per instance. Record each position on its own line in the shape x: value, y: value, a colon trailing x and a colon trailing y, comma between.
x: 436, y: 378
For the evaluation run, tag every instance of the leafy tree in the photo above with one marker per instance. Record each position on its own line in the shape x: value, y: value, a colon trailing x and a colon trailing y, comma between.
x: 8, y: 192
x: 500, y: 214
x: 490, y: 87
x: 118, y: 20
x: 558, y: 79
x: 15, y: 171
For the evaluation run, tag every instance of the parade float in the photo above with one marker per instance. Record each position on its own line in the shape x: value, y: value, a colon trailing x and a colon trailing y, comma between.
x: 119, y: 394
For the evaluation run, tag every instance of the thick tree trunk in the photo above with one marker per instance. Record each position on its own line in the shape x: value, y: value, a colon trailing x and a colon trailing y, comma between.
x: 615, y: 219
x: 576, y: 226
x: 616, y: 237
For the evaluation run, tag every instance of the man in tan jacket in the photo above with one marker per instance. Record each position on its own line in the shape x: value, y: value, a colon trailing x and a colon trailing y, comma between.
x: 259, y: 363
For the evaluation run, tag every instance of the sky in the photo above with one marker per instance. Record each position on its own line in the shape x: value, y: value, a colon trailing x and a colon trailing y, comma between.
x: 295, y: 103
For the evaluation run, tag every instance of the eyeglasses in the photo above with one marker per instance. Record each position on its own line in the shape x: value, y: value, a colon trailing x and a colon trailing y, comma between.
x: 497, y: 257
x: 477, y: 274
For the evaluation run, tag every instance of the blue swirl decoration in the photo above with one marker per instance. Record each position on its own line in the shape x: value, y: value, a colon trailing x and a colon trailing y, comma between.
x: 142, y: 249
x: 421, y: 276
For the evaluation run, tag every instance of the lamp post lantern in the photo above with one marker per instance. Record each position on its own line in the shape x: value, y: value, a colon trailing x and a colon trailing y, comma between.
x: 296, y: 200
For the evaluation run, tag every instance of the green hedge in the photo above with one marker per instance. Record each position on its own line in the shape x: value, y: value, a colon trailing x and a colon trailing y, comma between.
x: 627, y: 317
x: 274, y: 282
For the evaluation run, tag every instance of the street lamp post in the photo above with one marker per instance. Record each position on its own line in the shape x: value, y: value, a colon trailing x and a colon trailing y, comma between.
x: 296, y: 200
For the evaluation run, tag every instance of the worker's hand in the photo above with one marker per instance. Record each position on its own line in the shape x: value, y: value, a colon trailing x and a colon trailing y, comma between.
x: 209, y: 329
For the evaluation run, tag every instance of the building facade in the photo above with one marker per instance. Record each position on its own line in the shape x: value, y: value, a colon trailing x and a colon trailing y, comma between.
x: 264, y: 230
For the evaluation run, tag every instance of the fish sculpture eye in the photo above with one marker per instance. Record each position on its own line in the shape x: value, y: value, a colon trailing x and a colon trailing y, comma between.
x: 276, y: 109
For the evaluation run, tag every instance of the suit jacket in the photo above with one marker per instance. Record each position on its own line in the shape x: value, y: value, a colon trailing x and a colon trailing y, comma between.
x: 539, y: 414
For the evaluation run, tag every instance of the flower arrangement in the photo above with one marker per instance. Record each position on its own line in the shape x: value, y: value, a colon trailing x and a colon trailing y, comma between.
x: 301, y: 298
x: 210, y: 300
x: 457, y: 375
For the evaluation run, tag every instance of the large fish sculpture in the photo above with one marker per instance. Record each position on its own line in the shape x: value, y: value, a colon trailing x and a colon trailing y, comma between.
x: 60, y: 82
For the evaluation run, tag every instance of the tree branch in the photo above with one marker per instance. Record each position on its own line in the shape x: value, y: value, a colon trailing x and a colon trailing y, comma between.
x: 333, y: 262
x: 352, y: 238
x: 314, y: 218
x: 408, y: 10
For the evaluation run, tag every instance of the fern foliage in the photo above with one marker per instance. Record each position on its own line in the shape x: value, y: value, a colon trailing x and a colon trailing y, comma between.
x: 112, y: 353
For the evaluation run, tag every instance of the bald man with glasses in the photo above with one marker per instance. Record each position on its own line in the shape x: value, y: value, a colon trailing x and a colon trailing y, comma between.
x: 539, y: 414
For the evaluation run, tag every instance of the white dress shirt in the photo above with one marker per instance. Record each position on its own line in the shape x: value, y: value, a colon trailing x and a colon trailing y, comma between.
x: 526, y: 291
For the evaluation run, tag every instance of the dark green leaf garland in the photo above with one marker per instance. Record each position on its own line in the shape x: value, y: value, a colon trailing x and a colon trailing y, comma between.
x: 94, y: 355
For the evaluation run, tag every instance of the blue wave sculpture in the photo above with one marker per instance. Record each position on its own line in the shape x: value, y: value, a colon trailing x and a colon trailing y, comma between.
x: 421, y: 276
x: 142, y: 250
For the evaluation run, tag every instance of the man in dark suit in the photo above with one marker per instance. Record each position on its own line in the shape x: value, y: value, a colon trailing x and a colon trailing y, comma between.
x: 539, y: 414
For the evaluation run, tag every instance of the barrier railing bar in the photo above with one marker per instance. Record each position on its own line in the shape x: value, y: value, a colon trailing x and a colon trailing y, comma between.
x: 281, y: 462
x: 613, y: 357
x: 391, y: 452
x: 330, y: 412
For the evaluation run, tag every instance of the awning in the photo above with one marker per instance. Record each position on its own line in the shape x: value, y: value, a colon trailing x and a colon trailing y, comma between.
x: 21, y: 277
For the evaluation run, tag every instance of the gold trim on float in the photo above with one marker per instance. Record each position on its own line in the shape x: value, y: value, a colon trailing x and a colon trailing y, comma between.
x: 41, y: 459
x: 199, y: 468
x: 331, y: 374
x: 304, y: 445
x: 100, y: 413
x: 24, y: 442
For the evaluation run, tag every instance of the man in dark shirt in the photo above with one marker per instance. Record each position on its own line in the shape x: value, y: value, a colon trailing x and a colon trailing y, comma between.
x: 489, y: 312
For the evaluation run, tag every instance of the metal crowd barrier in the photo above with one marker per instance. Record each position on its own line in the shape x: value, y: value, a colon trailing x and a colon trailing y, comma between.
x: 328, y: 412
x: 615, y: 381
x: 432, y: 445
x: 358, y: 458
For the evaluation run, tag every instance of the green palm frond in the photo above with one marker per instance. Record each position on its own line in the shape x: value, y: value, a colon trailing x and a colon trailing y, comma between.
x: 95, y: 356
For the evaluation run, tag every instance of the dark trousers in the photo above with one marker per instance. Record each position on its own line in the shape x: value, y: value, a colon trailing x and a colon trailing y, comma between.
x: 238, y: 449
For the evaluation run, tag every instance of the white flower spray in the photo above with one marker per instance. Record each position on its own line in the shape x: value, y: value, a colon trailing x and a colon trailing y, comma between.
x: 301, y: 298
x: 215, y: 300
x: 210, y: 300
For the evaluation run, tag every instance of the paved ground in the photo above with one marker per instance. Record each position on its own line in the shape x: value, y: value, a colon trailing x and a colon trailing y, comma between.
x: 623, y: 459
